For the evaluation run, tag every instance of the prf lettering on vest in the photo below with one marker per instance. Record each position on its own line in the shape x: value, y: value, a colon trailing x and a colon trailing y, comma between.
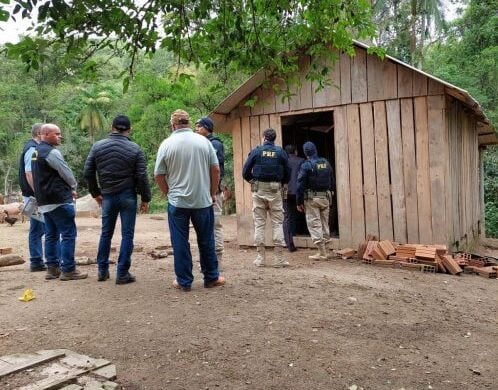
x: 267, y: 153
x: 321, y: 166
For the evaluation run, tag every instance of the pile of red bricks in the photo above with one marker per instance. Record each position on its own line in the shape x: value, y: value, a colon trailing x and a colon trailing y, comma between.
x: 424, y: 258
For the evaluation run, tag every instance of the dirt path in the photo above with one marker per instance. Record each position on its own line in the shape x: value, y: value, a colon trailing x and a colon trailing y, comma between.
x: 316, y: 325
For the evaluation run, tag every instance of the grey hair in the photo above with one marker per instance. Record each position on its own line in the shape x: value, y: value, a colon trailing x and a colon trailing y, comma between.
x: 36, y: 129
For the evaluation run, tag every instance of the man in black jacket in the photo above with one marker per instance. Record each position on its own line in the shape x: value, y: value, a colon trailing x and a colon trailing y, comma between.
x: 36, y: 229
x: 122, y: 172
x: 205, y: 127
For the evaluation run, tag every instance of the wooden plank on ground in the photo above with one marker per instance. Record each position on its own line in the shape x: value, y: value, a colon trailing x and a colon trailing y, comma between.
x: 35, y: 360
x: 423, y: 176
x: 359, y: 76
x: 405, y: 81
x: 342, y: 176
x: 396, y: 168
x: 409, y: 169
x: 345, y: 66
x: 438, y: 154
x: 369, y: 175
x: 355, y: 175
x: 382, y: 171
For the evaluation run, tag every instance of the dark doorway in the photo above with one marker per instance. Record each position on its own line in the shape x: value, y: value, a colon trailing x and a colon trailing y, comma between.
x: 317, y: 127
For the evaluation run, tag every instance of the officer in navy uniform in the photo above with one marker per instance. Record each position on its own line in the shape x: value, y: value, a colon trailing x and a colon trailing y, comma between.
x: 315, y: 186
x: 267, y: 169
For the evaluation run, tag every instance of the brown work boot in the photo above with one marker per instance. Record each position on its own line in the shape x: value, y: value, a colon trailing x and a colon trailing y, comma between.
x: 73, y: 275
x: 53, y: 273
x: 215, y: 283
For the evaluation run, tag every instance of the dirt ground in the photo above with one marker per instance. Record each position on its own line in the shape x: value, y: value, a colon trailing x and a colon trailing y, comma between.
x: 316, y: 325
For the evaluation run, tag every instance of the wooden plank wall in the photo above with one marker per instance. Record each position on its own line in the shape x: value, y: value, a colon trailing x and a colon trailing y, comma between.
x: 464, y: 174
x: 406, y: 157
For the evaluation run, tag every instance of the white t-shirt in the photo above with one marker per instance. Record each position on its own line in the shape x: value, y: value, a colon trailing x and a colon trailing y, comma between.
x: 186, y: 158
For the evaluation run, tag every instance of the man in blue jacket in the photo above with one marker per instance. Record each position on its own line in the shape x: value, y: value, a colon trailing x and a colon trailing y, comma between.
x: 267, y: 169
x: 122, y: 172
x: 36, y: 228
x: 205, y: 127
x: 315, y: 184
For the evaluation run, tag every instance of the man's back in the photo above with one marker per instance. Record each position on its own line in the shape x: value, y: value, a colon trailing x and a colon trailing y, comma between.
x: 185, y: 158
x: 119, y: 163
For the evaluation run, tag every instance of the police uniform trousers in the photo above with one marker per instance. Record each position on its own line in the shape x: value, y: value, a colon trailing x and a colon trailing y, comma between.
x: 267, y: 200
x: 317, y: 219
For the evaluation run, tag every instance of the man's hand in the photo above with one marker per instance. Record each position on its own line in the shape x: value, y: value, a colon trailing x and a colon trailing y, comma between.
x: 99, y: 200
x: 144, y: 207
x: 300, y: 208
x: 75, y: 195
x: 213, y: 197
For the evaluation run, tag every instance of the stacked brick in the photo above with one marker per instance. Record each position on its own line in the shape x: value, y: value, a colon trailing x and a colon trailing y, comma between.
x: 424, y: 258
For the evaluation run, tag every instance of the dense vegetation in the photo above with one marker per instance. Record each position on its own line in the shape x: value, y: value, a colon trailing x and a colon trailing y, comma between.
x: 82, y: 89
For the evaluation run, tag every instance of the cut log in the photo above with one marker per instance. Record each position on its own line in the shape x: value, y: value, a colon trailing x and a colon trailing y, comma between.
x: 5, y: 250
x: 6, y: 260
x: 346, y: 253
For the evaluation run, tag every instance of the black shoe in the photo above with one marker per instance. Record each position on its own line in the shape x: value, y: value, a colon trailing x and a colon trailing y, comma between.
x: 103, y: 276
x: 128, y: 278
x: 37, y: 267
x: 292, y: 249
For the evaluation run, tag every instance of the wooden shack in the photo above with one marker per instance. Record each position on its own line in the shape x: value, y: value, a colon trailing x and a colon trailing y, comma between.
x: 406, y: 147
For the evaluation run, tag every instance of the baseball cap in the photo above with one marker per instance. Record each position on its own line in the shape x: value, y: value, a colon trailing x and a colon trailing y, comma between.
x: 121, y: 123
x: 207, y: 123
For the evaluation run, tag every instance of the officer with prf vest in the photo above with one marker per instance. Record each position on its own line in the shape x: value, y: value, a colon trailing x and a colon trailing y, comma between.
x: 267, y: 169
x: 315, y: 183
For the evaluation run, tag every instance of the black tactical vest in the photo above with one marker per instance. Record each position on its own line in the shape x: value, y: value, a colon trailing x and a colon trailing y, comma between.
x: 50, y: 187
x: 23, y: 183
x: 319, y: 180
x: 268, y: 166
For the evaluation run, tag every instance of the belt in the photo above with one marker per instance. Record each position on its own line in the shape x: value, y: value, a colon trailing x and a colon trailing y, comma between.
x: 268, y: 185
x: 317, y: 193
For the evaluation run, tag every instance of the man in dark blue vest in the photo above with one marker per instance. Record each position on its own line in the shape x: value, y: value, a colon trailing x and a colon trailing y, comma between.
x: 26, y: 183
x: 267, y: 169
x: 55, y: 192
x: 315, y: 184
x: 205, y: 127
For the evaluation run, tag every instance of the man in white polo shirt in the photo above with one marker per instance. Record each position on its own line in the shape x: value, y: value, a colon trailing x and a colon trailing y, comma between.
x: 188, y: 173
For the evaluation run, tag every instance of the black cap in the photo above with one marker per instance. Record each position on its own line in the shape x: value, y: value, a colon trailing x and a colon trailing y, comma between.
x: 207, y: 123
x: 121, y: 123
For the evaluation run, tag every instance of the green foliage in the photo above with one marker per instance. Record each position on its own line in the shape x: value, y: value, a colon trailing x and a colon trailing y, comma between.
x: 405, y: 26
x: 224, y: 35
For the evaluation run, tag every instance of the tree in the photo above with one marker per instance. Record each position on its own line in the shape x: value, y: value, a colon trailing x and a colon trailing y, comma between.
x: 222, y: 34
x: 92, y: 117
x: 404, y: 26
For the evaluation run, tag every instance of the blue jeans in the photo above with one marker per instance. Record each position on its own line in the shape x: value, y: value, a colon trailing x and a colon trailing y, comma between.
x: 36, y: 232
x: 123, y: 204
x: 60, y: 228
x: 203, y: 221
